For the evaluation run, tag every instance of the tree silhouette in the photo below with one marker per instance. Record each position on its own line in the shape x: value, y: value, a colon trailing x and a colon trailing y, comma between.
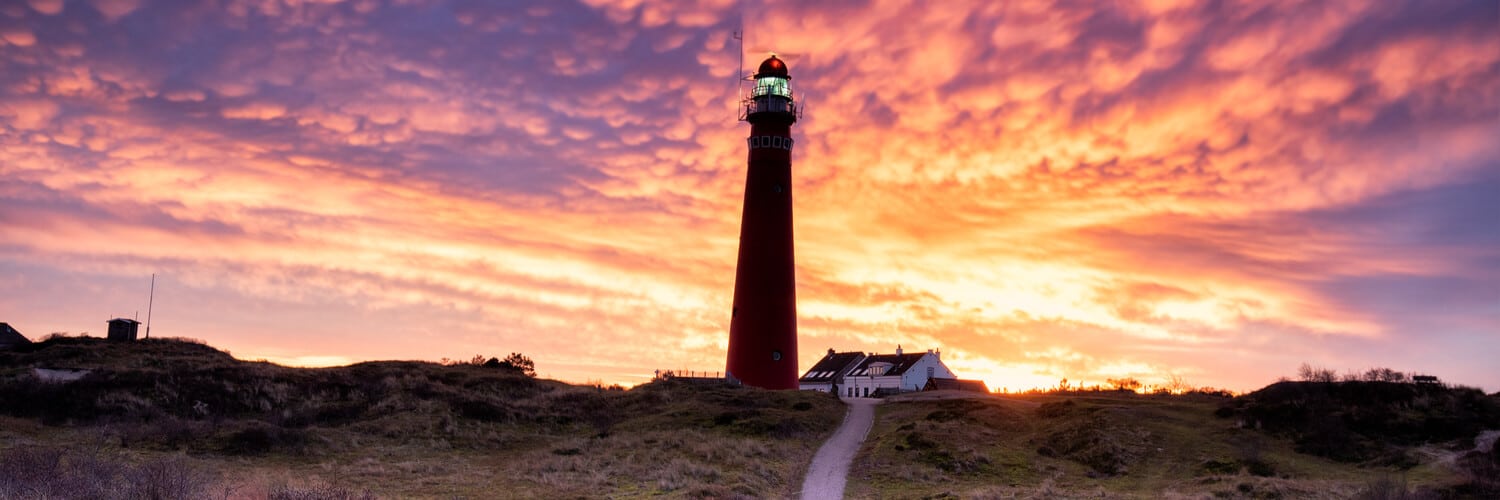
x: 520, y: 362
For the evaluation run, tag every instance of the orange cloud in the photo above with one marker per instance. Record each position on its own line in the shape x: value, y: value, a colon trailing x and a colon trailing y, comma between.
x: 1041, y: 191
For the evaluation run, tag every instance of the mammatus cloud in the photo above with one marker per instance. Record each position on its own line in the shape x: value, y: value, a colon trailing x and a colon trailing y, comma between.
x: 1216, y: 191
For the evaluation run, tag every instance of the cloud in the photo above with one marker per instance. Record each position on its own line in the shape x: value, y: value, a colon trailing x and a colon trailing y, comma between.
x: 113, y: 10
x: 1219, y: 191
x: 47, y: 6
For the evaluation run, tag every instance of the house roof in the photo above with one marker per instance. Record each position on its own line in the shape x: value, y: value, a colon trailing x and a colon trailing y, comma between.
x: 9, y: 336
x: 899, y: 363
x: 832, y: 365
x: 953, y: 384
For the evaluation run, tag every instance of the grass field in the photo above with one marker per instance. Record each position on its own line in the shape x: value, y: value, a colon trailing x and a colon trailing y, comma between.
x: 1102, y: 445
x: 167, y: 418
x: 391, y: 429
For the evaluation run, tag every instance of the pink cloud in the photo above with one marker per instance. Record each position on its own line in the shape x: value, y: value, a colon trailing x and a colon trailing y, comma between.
x: 1039, y: 190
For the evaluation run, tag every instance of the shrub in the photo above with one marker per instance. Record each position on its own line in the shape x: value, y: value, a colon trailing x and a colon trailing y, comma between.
x: 1363, y: 421
x: 1384, y: 487
x: 49, y: 472
x: 1093, y: 441
x: 1057, y: 409
x: 1213, y: 466
x: 324, y: 492
x: 259, y: 438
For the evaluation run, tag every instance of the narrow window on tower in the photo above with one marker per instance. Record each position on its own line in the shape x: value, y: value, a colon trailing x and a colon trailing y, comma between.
x: 776, y: 142
x: 778, y: 189
x: 775, y: 355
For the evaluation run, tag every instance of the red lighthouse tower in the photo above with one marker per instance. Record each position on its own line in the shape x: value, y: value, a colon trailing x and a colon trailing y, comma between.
x: 763, y: 323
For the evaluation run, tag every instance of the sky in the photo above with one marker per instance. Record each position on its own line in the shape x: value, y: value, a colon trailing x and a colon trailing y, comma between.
x: 1216, y: 191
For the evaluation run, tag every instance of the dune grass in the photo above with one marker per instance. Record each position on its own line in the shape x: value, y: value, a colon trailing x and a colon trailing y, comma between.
x: 1100, y: 445
x: 405, y: 429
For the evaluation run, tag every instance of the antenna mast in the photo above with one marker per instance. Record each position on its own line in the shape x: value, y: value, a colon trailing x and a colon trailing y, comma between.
x: 150, y: 302
x: 739, y: 76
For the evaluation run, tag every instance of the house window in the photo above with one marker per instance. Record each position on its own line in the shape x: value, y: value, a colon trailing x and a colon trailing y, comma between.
x: 867, y: 392
x: 930, y: 370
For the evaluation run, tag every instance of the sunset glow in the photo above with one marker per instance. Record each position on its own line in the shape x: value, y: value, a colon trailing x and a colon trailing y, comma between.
x: 1219, y: 191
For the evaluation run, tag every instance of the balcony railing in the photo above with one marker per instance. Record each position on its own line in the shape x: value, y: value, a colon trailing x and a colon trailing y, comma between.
x: 769, y: 105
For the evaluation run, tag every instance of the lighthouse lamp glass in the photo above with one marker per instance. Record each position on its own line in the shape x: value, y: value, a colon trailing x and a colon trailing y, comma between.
x: 771, y: 85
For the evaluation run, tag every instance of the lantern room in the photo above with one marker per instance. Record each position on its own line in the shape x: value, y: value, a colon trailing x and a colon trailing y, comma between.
x: 772, y: 94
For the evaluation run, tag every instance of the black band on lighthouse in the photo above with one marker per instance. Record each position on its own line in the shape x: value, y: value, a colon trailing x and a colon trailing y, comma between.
x: 770, y: 142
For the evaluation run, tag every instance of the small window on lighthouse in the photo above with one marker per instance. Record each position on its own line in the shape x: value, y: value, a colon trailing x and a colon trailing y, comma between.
x: 775, y: 355
x: 778, y: 189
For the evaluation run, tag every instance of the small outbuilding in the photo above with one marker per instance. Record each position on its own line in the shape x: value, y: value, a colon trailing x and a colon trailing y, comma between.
x: 123, y: 329
x: 10, y: 338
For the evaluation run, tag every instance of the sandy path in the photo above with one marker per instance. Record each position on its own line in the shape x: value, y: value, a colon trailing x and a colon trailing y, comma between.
x: 830, y: 467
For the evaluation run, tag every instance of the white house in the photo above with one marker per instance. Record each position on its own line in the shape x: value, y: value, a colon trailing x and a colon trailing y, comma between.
x: 881, y: 374
x: 854, y: 374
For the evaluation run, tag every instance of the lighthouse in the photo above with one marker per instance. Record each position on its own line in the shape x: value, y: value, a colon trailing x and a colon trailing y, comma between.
x: 763, y: 321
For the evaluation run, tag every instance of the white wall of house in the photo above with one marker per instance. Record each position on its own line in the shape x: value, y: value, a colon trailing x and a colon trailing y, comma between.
x: 929, y: 366
x: 864, y: 385
x: 814, y: 386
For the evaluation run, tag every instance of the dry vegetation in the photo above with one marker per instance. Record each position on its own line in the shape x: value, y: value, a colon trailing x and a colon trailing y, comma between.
x: 177, y: 419
x: 249, y: 429
x: 1125, y: 445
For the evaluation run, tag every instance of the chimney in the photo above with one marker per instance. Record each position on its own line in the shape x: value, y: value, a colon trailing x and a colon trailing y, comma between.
x: 830, y: 351
x: 898, y: 349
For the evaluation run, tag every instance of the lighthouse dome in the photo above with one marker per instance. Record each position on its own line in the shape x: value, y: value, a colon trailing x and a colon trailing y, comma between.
x: 772, y: 67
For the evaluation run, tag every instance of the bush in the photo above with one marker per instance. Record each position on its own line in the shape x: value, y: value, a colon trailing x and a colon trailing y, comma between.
x: 1093, y: 441
x: 49, y: 472
x: 1385, y: 487
x: 1223, y: 467
x: 325, y: 492
x: 1059, y: 409
x: 260, y: 438
x: 1363, y: 421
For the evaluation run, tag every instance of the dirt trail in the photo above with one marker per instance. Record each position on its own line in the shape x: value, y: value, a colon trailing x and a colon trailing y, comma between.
x: 830, y: 467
